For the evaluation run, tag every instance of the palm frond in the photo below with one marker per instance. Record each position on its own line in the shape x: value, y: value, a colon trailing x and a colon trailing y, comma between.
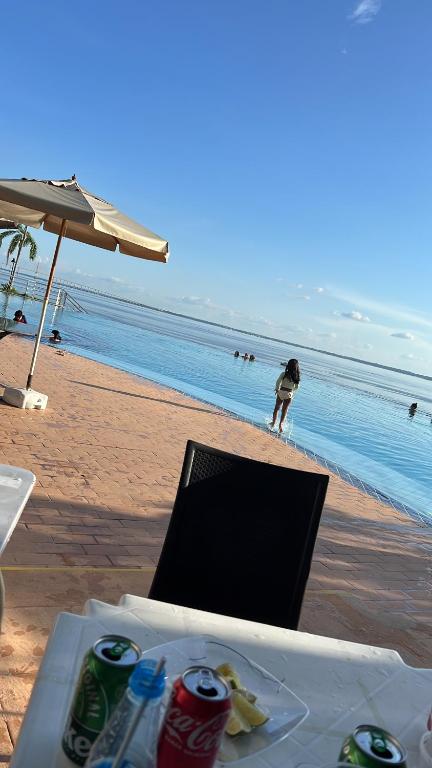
x: 6, y: 233
x: 17, y: 235
x: 33, y: 249
x: 29, y: 239
x: 30, y: 243
x: 13, y: 245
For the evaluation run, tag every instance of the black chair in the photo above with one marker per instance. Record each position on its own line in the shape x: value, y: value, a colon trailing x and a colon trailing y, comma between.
x: 241, y: 537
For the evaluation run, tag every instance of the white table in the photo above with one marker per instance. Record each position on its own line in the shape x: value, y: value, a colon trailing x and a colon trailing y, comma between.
x: 16, y: 485
x: 344, y: 684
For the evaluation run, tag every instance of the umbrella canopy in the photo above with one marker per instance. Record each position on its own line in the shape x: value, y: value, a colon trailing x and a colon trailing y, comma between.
x: 7, y: 224
x: 90, y: 219
x: 65, y: 208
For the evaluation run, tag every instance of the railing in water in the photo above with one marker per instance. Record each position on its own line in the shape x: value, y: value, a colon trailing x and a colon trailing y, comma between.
x: 33, y: 287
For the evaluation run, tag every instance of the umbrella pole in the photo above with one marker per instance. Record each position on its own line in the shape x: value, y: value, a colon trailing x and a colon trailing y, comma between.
x: 45, y: 305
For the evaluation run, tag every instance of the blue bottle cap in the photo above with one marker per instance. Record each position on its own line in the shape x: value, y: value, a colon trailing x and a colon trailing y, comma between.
x: 143, y: 681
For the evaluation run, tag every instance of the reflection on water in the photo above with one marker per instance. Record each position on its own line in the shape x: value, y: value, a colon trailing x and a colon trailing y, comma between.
x: 4, y: 301
x: 352, y: 414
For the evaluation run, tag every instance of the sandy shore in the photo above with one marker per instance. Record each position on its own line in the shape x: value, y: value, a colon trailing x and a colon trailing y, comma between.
x: 107, y: 455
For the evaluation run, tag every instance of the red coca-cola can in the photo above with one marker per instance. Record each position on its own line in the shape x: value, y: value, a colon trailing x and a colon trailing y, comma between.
x: 195, y: 720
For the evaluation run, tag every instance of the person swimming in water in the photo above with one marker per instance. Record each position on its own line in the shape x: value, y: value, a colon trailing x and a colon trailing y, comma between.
x: 19, y: 317
x: 55, y: 337
x: 285, y: 387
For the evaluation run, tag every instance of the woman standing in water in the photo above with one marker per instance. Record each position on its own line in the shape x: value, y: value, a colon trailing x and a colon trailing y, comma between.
x: 287, y: 383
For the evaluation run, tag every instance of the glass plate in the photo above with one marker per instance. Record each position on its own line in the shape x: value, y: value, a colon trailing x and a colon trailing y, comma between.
x: 284, y: 709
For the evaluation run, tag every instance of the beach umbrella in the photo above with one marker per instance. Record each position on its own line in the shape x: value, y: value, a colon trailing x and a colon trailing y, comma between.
x: 67, y: 209
x: 4, y: 224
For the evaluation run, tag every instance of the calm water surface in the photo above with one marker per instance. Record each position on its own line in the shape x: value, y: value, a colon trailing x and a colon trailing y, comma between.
x: 352, y: 414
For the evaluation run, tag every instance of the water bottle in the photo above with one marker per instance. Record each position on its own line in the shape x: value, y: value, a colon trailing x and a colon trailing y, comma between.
x: 133, y: 727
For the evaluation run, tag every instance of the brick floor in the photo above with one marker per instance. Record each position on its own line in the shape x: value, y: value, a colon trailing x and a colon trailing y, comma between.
x: 107, y: 455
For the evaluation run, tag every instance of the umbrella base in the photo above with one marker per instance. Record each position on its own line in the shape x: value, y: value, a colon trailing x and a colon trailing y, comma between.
x: 25, y: 398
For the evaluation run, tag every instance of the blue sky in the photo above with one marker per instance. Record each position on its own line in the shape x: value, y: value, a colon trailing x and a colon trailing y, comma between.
x: 283, y: 148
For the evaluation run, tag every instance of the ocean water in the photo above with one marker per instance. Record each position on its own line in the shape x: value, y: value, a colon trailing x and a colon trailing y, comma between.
x: 352, y: 414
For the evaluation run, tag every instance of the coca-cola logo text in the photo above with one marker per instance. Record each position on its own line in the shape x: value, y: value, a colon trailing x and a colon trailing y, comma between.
x: 195, y: 735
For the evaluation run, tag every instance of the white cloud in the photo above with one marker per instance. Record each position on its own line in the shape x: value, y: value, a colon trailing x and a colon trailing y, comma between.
x: 326, y: 335
x: 403, y: 335
x: 367, y: 346
x: 292, y: 328
x: 391, y: 311
x: 408, y: 357
x: 344, y: 51
x: 205, y: 302
x: 263, y: 320
x: 319, y: 290
x: 365, y: 11
x: 354, y: 315
x: 194, y: 300
x: 75, y: 271
x: 295, y: 287
x: 297, y: 297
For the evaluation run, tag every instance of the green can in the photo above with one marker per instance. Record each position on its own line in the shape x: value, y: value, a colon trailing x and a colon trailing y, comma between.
x: 103, y: 679
x: 373, y: 747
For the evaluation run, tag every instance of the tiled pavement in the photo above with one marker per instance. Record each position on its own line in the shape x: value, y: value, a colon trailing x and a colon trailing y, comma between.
x: 107, y: 455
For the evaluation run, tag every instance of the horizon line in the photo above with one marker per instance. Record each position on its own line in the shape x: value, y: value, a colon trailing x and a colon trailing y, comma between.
x: 98, y: 292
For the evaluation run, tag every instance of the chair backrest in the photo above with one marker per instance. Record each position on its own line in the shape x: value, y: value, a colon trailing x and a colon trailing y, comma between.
x: 240, y: 538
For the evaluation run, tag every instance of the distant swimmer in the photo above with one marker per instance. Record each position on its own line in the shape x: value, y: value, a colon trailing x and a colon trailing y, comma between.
x: 412, y: 409
x: 236, y: 353
x: 245, y: 356
x: 55, y: 337
x: 252, y: 358
x: 285, y: 387
x: 19, y: 317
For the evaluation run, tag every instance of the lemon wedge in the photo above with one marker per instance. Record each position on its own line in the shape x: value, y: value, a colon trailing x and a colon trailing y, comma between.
x: 229, y: 673
x: 244, y: 715
x: 248, y: 695
x: 248, y: 711
x: 237, y: 723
